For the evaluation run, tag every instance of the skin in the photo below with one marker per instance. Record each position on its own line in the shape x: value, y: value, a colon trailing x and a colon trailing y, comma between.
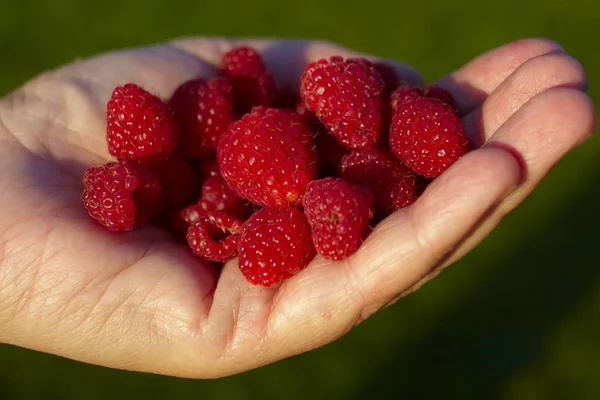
x: 138, y: 301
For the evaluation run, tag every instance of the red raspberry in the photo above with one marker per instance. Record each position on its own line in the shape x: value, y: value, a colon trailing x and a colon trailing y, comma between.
x: 347, y: 96
x: 427, y: 136
x: 393, y: 185
x: 179, y: 181
x: 140, y: 127
x: 274, y: 245
x: 218, y: 196
x: 203, y: 110
x: 252, y: 83
x: 215, y: 237
x: 403, y: 93
x: 121, y: 195
x: 339, y: 214
x: 268, y: 157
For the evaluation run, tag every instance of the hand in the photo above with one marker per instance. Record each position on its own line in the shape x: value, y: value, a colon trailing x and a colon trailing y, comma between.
x: 139, y: 301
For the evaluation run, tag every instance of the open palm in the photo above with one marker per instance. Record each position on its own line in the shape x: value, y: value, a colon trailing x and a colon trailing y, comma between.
x: 139, y: 301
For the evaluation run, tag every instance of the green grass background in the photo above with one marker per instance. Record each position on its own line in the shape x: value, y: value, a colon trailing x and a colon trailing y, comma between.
x: 519, y: 318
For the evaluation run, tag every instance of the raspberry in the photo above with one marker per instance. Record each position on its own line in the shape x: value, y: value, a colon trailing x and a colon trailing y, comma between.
x: 427, y: 136
x: 403, y: 93
x: 339, y: 214
x: 179, y: 182
x: 218, y: 196
x: 140, y: 127
x: 203, y: 110
x: 347, y: 96
x: 121, y: 195
x: 252, y: 83
x: 215, y: 237
x: 393, y: 185
x: 274, y: 245
x: 268, y: 157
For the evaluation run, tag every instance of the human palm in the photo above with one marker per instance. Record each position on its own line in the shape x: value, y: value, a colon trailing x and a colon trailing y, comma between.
x: 140, y: 301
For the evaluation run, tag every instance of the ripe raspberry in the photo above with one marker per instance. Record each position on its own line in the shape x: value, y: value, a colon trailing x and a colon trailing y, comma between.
x: 179, y: 181
x: 274, y: 245
x: 215, y: 237
x: 339, y: 214
x: 403, y: 93
x: 347, y: 96
x: 427, y: 136
x: 252, y: 83
x: 393, y: 185
x: 218, y: 196
x: 121, y: 195
x: 203, y: 110
x: 140, y: 127
x: 268, y: 157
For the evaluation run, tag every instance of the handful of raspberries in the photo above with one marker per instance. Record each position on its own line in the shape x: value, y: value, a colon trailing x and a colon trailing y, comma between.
x: 227, y: 169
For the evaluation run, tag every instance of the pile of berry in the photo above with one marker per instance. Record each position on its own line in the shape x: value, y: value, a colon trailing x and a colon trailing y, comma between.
x: 234, y: 169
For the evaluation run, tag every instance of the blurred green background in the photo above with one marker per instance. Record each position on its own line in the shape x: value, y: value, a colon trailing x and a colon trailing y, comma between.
x: 519, y: 318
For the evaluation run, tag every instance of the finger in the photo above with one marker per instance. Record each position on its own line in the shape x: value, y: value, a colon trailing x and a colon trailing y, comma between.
x: 530, y: 79
x: 287, y: 59
x: 327, y: 300
x: 472, y: 83
x: 543, y: 131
